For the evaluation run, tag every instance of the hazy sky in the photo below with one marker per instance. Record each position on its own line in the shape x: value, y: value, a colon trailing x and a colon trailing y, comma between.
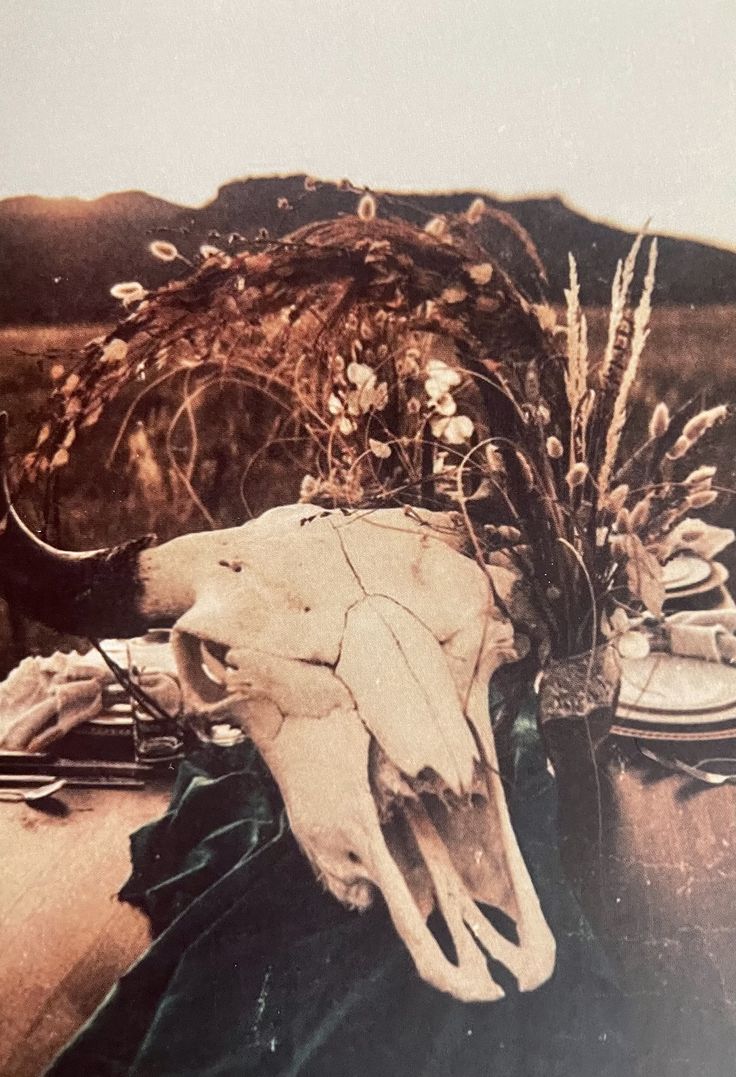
x: 627, y: 109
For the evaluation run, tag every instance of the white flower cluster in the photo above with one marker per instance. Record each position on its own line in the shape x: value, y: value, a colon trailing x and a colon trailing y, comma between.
x: 445, y: 423
x: 359, y: 393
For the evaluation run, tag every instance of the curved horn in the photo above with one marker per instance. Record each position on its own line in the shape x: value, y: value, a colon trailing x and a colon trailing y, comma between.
x: 96, y: 593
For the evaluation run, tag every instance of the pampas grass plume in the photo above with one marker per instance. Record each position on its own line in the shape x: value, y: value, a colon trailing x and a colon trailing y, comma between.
x: 638, y: 340
x: 554, y: 448
x: 577, y: 474
x: 660, y: 421
x: 681, y: 446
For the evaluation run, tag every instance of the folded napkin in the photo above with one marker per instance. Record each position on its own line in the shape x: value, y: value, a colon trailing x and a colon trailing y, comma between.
x: 706, y: 634
x: 44, y: 698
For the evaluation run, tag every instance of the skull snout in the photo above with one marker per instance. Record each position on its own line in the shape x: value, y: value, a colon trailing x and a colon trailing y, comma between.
x: 357, y: 848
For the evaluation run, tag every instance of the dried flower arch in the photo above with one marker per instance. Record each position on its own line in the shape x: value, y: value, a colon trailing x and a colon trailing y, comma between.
x: 371, y: 338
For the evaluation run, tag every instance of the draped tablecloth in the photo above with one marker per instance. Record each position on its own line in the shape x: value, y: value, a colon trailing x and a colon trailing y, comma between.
x: 255, y: 970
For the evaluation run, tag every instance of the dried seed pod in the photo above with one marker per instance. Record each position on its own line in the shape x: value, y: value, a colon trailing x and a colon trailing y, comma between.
x: 704, y: 420
x: 695, y: 427
x: 114, y: 351
x: 436, y: 227
x: 494, y: 460
x: 509, y: 534
x: 481, y: 274
x: 531, y: 382
x: 525, y: 468
x: 475, y: 211
x: 367, y: 208
x: 700, y: 475
x: 128, y: 291
x: 379, y: 449
x: 163, y: 250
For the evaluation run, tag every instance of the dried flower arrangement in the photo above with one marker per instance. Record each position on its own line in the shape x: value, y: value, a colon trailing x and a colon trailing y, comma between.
x: 404, y: 366
x: 595, y: 531
x: 354, y: 333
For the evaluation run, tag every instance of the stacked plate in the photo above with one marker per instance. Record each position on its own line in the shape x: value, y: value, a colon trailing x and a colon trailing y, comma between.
x: 691, y: 581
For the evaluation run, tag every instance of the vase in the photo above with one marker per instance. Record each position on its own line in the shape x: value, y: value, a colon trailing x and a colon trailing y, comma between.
x: 578, y: 696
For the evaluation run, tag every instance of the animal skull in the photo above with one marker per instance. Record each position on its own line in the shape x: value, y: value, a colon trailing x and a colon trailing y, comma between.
x: 356, y: 651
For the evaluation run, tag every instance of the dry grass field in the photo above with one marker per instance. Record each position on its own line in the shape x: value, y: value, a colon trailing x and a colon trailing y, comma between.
x: 690, y: 350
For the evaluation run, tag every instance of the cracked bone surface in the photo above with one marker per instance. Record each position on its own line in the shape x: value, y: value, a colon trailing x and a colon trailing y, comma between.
x: 356, y: 650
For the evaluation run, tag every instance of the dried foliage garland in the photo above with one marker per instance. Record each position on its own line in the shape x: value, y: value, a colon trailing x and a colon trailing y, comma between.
x: 404, y: 366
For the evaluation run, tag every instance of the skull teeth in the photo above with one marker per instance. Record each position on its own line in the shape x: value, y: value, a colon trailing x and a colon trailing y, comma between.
x: 212, y: 667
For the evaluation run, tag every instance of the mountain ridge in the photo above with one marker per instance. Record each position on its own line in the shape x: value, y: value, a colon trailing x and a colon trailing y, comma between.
x: 59, y: 257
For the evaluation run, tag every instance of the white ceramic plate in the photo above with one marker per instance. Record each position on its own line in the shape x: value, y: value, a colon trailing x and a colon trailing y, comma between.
x: 685, y: 571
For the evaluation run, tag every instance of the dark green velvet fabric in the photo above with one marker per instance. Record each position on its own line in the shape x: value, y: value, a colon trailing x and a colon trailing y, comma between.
x: 255, y: 970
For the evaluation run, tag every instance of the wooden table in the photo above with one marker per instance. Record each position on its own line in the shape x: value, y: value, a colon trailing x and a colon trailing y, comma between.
x: 652, y: 857
x: 65, y: 937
